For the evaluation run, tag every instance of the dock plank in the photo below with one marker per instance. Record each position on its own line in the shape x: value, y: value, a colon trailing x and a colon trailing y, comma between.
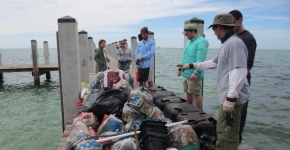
x: 28, y: 67
x: 67, y: 131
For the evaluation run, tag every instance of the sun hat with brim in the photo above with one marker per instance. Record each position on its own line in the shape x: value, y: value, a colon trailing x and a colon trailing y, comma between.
x: 189, y: 27
x: 223, y: 19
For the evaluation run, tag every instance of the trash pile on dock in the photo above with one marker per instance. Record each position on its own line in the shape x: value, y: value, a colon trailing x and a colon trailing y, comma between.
x: 113, y: 116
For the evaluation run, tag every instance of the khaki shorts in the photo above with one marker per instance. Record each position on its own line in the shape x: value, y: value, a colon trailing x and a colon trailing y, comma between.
x: 192, y: 87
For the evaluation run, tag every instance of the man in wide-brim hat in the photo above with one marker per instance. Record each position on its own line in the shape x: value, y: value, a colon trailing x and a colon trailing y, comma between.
x: 232, y: 86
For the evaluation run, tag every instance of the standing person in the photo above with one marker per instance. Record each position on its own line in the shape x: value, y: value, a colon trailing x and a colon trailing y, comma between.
x: 150, y: 80
x: 232, y: 86
x: 251, y: 45
x: 143, y: 55
x: 124, y: 56
x: 195, y: 51
x: 101, y: 57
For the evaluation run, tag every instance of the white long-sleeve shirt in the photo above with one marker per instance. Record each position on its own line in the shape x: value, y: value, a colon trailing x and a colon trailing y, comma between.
x: 231, y: 64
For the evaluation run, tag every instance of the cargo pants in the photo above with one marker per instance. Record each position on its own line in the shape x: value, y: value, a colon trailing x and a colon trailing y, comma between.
x: 228, y: 137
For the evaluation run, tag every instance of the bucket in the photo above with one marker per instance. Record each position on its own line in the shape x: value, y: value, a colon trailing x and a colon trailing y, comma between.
x: 136, y: 76
x: 153, y: 145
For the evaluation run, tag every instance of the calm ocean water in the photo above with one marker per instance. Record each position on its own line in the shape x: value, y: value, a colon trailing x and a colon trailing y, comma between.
x: 30, y: 116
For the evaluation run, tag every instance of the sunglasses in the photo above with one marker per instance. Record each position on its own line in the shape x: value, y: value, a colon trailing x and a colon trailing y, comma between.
x: 123, y: 43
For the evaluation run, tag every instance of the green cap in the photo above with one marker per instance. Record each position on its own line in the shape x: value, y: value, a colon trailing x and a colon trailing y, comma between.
x: 189, y: 27
x: 223, y: 19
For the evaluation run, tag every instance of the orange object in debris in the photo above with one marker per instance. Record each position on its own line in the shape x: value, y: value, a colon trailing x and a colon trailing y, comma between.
x: 136, y: 76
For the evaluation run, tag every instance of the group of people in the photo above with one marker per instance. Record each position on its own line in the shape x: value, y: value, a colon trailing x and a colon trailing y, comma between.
x: 143, y: 54
x: 233, y: 63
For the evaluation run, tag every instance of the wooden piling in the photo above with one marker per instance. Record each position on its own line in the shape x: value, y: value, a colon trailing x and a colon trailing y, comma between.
x: 84, y: 56
x: 110, y: 50
x: 46, y: 58
x: 68, y: 48
x: 151, y: 36
x: 133, y: 50
x: 114, y: 49
x: 35, y: 71
x: 46, y: 52
x: 1, y: 73
x: 91, y: 55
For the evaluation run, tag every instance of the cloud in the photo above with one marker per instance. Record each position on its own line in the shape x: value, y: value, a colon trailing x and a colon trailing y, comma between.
x: 271, y: 18
x: 40, y: 16
x: 24, y: 16
x: 114, y: 19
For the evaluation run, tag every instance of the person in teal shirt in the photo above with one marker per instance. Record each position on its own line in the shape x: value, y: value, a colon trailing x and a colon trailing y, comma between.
x: 195, y: 51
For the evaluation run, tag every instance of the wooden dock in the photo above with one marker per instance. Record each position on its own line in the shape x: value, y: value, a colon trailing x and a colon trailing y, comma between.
x: 113, y: 65
x: 36, y: 69
x: 28, y: 68
x: 70, y: 43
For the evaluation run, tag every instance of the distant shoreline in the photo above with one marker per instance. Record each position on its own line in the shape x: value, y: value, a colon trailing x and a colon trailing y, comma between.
x: 157, y: 47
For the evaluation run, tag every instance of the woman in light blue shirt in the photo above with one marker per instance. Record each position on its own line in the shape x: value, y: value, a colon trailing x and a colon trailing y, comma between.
x: 124, y: 56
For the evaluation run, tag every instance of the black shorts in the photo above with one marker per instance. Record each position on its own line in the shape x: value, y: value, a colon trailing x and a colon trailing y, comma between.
x: 143, y: 74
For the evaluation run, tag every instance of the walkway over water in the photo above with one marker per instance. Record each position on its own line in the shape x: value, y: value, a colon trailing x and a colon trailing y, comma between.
x: 76, y: 65
x: 114, y: 66
x: 28, y: 68
x: 36, y: 69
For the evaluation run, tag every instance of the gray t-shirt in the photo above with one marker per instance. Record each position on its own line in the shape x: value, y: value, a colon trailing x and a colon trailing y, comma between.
x: 233, y: 54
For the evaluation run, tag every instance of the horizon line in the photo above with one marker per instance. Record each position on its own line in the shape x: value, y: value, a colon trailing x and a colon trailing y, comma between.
x: 157, y: 48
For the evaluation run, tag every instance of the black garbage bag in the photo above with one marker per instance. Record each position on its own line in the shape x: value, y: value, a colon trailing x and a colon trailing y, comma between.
x: 105, y: 101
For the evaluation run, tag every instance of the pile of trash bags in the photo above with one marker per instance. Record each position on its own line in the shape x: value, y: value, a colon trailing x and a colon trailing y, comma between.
x: 111, y: 114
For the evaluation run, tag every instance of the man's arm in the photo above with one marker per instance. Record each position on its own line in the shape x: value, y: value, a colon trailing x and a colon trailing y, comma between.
x: 236, y: 81
x: 210, y: 64
x: 251, y: 46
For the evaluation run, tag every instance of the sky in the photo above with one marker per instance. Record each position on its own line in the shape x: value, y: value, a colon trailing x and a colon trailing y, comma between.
x: 113, y: 20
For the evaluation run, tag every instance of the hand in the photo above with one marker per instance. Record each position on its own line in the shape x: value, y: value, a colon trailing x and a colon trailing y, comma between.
x: 193, y: 77
x: 183, y: 66
x: 229, y: 105
x: 140, y: 58
x: 108, y: 60
x: 137, y: 62
x: 178, y: 73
